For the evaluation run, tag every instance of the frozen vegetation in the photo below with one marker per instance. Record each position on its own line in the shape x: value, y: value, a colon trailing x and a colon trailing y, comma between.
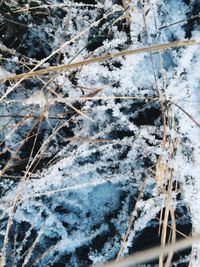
x: 102, y: 160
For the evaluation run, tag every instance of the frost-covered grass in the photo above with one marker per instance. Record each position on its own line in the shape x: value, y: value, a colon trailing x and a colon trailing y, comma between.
x: 99, y: 129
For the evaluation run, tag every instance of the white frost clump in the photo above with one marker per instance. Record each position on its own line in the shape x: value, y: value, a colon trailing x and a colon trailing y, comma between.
x: 38, y: 98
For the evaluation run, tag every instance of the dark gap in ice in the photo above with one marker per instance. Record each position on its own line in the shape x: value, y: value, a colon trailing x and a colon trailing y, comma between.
x: 147, y: 116
x: 89, y: 2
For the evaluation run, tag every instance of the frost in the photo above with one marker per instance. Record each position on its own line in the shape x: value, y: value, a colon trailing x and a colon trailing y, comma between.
x: 3, y: 73
x: 37, y: 99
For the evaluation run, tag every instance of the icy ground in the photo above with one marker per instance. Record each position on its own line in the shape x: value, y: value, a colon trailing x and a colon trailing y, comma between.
x: 86, y: 154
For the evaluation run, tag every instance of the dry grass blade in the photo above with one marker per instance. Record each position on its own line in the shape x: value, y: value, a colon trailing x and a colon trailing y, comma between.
x: 161, y: 94
x: 74, y: 5
x: 151, y: 254
x: 186, y: 113
x: 14, y: 155
x: 131, y: 221
x: 9, y: 224
x: 152, y: 48
x: 177, y: 231
x: 180, y: 21
x: 82, y: 98
x: 128, y: 17
x: 173, y: 239
x: 168, y: 208
x: 160, y: 170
